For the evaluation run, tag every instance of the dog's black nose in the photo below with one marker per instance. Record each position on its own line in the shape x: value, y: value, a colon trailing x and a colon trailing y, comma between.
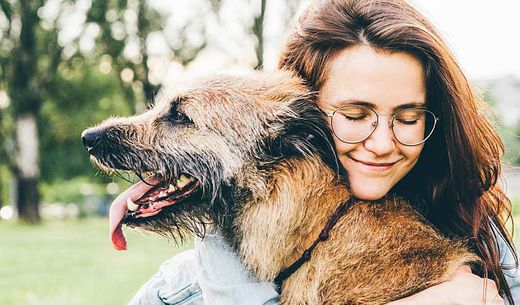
x: 91, y: 138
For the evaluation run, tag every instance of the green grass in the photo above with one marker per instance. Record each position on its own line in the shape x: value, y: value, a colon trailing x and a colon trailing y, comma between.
x: 72, y: 263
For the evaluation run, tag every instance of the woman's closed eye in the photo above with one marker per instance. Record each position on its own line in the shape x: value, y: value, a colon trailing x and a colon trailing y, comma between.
x: 355, y: 114
x: 407, y: 120
x: 410, y: 117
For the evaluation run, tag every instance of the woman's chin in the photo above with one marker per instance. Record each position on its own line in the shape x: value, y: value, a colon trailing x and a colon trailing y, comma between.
x: 368, y: 193
x: 370, y: 197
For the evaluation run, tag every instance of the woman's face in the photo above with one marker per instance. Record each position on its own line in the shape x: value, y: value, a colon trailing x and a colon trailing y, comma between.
x: 384, y: 82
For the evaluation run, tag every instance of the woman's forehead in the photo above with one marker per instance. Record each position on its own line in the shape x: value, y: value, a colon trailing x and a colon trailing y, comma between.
x: 386, y: 80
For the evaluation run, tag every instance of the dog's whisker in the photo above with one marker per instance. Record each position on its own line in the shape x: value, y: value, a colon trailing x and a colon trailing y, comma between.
x: 119, y: 174
x: 140, y: 176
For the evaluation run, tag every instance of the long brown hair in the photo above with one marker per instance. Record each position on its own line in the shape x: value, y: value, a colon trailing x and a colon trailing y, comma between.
x: 457, y: 173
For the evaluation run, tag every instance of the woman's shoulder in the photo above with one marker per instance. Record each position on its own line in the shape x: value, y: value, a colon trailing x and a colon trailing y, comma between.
x: 507, y: 254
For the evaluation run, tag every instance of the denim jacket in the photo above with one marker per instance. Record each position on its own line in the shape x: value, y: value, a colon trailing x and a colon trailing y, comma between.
x: 211, y: 274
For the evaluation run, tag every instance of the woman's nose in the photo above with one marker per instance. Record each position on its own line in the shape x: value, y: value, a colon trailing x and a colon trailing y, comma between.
x: 382, y: 140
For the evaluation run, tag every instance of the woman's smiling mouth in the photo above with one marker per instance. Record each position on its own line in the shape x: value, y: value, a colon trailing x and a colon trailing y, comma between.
x: 374, y: 166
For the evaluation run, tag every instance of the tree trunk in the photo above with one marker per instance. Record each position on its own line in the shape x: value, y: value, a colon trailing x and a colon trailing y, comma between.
x: 28, y: 197
x: 258, y: 31
x: 26, y: 94
x: 143, y: 25
x: 2, y: 187
x: 27, y: 169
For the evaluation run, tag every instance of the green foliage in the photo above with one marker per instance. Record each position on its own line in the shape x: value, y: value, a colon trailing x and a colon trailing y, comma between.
x: 511, y: 138
x: 4, y: 185
x: 80, y: 97
x: 514, y: 142
x: 72, y: 190
x: 510, y: 135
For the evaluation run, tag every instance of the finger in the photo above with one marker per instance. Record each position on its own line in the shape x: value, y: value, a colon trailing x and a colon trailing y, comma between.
x: 498, y: 300
x: 494, y: 298
x: 490, y: 285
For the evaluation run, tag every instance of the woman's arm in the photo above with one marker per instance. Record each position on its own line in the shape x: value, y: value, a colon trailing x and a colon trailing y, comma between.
x: 456, y: 290
x: 464, y: 288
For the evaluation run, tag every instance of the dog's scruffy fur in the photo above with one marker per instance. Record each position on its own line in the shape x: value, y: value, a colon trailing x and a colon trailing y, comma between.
x: 269, y: 182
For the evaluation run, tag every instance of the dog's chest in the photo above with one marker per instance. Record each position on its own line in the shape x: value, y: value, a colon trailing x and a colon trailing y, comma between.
x: 375, y: 254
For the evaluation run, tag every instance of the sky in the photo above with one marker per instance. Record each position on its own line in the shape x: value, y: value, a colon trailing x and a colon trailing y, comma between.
x: 484, y: 35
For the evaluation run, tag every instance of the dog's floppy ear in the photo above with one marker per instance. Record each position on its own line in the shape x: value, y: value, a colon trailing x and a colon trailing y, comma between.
x: 304, y: 133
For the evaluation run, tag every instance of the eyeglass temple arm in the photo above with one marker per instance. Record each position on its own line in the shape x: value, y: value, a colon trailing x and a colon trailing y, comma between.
x: 326, y: 114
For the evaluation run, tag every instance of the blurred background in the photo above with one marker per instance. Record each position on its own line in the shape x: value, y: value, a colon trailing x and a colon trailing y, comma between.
x: 66, y: 65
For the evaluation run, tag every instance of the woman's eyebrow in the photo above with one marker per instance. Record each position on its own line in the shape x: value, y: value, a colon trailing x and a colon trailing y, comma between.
x: 359, y: 103
x: 409, y: 105
x: 373, y: 106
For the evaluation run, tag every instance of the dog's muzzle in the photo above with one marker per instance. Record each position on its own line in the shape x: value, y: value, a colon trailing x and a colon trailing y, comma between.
x: 92, y: 138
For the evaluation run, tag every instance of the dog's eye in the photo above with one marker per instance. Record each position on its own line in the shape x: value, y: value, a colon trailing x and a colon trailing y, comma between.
x: 178, y: 117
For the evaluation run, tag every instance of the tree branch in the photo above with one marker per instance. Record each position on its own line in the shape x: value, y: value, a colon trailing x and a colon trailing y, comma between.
x: 7, y: 9
x: 258, y: 31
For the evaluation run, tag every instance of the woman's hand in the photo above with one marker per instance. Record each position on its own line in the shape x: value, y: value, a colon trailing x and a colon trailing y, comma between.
x: 464, y: 288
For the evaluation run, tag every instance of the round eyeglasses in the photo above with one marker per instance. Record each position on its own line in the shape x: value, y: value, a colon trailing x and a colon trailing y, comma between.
x: 356, y: 123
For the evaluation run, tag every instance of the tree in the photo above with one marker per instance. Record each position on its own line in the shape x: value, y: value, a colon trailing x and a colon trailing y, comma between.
x: 27, y: 73
x: 257, y: 28
x: 135, y: 32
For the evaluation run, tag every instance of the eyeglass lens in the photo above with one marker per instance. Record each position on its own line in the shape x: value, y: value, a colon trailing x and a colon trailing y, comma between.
x: 353, y: 124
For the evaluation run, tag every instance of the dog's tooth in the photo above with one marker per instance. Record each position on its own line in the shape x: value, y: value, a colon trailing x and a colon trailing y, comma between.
x: 131, y: 205
x: 183, y: 178
x: 181, y: 184
x: 171, y: 188
x: 162, y: 194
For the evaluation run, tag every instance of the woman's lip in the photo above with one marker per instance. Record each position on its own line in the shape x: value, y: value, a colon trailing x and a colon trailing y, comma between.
x: 375, y: 164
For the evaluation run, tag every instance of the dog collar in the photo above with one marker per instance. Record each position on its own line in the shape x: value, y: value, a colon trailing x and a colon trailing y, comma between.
x: 306, y: 256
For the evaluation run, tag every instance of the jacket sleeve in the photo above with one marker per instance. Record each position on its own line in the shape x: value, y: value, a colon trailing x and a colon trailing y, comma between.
x: 509, y: 268
x: 209, y: 274
x: 224, y: 280
x: 174, y: 283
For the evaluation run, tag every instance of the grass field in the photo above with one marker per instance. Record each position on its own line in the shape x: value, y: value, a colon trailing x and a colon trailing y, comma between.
x: 72, y: 263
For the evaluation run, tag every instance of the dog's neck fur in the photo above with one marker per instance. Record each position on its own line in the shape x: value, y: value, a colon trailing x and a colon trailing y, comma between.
x: 283, y: 221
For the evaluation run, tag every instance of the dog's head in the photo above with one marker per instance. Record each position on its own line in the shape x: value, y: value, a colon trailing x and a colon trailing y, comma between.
x: 206, y: 149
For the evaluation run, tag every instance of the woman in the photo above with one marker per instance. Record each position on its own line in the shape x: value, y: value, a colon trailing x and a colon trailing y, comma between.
x: 381, y: 60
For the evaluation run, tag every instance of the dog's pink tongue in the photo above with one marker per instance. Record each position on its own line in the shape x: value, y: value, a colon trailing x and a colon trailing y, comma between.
x: 119, y: 208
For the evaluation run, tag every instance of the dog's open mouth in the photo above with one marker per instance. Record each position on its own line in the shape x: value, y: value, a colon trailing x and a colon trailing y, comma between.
x: 146, y: 199
x: 160, y: 196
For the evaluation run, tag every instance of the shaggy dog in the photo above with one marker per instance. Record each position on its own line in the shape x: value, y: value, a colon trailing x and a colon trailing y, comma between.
x: 252, y: 156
